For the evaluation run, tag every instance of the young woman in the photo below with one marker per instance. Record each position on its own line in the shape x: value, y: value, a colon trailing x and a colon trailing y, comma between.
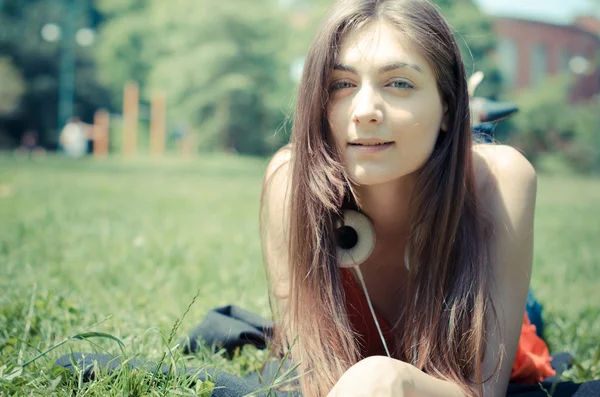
x: 382, y: 127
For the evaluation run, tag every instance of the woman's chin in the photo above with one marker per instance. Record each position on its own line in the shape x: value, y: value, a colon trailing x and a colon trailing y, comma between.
x: 371, y: 178
x: 371, y: 174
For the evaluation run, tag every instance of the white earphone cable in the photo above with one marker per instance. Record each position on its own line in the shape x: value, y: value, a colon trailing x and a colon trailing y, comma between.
x: 364, y: 287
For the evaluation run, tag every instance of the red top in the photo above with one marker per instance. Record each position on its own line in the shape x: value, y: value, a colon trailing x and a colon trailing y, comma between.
x: 531, y: 365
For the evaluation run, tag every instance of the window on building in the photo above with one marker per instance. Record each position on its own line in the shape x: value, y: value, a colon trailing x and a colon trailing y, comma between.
x: 508, y: 61
x: 539, y: 63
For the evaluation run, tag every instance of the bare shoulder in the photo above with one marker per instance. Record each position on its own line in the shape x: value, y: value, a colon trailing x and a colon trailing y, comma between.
x: 504, y: 163
x: 279, y: 163
x: 276, y: 183
x: 276, y: 189
x: 504, y: 177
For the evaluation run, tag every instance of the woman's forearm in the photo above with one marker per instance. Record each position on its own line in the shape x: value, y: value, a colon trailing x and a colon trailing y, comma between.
x: 382, y: 376
x: 422, y: 385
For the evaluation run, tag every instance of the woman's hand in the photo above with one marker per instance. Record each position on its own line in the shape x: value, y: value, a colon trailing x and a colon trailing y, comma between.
x: 376, y: 376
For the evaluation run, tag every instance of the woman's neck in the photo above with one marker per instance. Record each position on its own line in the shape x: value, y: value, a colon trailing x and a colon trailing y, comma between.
x: 387, y: 205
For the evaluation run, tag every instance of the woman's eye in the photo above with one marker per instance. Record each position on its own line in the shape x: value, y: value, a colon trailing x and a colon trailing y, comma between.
x: 340, y: 85
x: 402, y: 84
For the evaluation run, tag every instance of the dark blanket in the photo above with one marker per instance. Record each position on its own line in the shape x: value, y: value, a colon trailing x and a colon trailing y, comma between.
x: 229, y: 327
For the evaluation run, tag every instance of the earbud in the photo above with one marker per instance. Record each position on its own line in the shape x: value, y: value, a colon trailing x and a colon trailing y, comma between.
x: 355, y: 239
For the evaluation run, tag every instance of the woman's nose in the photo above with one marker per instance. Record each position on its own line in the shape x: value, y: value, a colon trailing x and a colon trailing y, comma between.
x: 366, y: 107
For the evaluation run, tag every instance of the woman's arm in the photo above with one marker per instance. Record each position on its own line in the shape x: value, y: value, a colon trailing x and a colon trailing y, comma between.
x: 275, y: 221
x: 511, y: 199
x: 422, y: 385
x: 380, y: 376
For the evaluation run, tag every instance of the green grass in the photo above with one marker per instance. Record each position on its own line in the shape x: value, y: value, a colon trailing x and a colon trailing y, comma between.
x: 124, y: 247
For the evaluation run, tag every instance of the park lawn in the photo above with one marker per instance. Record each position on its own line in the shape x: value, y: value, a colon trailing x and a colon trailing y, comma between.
x: 126, y: 247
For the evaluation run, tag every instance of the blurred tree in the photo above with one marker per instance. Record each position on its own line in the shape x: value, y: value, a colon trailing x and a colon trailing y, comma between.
x: 12, y: 87
x: 542, y: 117
x: 123, y: 40
x: 548, y: 123
x: 37, y: 62
x: 220, y: 64
x: 582, y: 151
x: 475, y: 36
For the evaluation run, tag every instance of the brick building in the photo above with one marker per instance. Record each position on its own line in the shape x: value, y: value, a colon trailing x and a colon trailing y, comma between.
x: 529, y: 50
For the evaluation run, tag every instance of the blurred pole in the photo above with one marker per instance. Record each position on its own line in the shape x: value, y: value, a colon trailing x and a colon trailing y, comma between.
x: 66, y: 95
x: 130, y: 118
x: 157, y: 123
x: 101, y: 134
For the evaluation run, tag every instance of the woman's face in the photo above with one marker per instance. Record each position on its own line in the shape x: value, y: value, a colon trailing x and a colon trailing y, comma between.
x: 385, y: 111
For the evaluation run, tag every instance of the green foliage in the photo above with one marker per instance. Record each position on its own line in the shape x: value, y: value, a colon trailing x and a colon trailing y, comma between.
x: 582, y: 136
x: 12, y: 87
x: 38, y: 64
x: 547, y: 123
x: 474, y: 33
x: 123, y: 42
x: 221, y: 70
x: 114, y: 7
x: 542, y: 113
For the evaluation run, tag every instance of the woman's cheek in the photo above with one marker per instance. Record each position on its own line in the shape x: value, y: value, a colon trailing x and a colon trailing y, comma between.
x: 337, y: 130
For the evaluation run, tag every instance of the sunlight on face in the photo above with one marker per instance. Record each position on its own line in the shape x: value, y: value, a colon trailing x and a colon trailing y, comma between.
x: 385, y: 111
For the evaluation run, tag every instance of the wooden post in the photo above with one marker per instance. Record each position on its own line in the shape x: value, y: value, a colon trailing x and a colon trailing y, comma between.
x: 157, y: 123
x: 130, y: 118
x: 100, y: 131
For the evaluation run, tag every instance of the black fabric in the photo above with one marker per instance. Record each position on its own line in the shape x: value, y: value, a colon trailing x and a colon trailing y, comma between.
x: 496, y: 111
x: 484, y: 131
x: 270, y: 372
x: 560, y: 362
x: 229, y: 327
x: 226, y: 385
x: 560, y: 389
x: 556, y: 388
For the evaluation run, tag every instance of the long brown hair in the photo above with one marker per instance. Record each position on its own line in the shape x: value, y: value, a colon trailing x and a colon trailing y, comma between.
x: 449, y: 274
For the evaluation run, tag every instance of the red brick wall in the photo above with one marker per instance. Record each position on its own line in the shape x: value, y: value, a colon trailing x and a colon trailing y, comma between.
x: 526, y: 34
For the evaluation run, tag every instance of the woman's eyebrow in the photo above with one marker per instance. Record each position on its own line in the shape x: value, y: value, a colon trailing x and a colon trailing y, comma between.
x: 344, y: 68
x: 399, y: 65
x: 383, y: 69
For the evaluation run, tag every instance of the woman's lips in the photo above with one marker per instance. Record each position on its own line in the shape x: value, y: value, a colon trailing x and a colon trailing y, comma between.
x: 370, y: 148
